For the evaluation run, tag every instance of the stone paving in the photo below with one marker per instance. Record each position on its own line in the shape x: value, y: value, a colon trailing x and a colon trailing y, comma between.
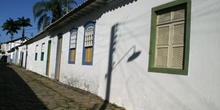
x: 25, y: 90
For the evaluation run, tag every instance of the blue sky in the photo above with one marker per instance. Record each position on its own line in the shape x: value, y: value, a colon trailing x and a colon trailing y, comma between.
x: 19, y: 8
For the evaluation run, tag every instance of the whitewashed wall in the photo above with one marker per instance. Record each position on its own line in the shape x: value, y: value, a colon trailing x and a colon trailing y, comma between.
x: 23, y: 50
x: 131, y: 85
x: 39, y: 66
x: 78, y: 75
x: 16, y: 56
x: 137, y: 89
x: 19, y: 56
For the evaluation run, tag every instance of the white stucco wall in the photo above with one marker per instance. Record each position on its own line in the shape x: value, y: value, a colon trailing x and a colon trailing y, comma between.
x: 23, y: 49
x: 131, y: 85
x: 12, y: 56
x: 137, y: 89
x: 19, y: 56
x: 37, y: 66
x: 78, y: 75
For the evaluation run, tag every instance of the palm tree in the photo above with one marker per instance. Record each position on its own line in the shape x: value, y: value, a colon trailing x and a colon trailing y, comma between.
x: 24, y: 23
x: 12, y: 27
x: 50, y: 11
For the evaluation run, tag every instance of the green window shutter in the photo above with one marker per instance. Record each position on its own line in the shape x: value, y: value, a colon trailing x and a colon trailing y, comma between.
x: 170, y: 30
x: 36, y: 50
x: 42, y: 51
x: 35, y: 56
x: 42, y: 56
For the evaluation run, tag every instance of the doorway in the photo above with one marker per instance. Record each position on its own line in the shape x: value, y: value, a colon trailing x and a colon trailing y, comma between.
x: 58, y: 58
x: 48, y: 58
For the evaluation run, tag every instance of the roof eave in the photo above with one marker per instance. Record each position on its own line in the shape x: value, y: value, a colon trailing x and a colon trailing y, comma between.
x: 75, y: 13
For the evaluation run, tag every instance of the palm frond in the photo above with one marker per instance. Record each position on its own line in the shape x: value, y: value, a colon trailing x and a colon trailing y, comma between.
x: 47, y: 21
x: 23, y: 22
x: 37, y: 9
x: 41, y: 21
x: 11, y: 26
x: 50, y: 11
x: 72, y: 2
x: 64, y: 2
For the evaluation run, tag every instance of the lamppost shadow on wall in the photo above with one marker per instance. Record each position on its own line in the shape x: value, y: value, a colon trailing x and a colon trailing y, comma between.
x: 112, y: 65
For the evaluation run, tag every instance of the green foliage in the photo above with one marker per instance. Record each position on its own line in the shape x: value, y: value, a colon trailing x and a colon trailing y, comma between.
x: 11, y: 26
x: 71, y: 100
x: 115, y: 106
x: 88, y: 108
x: 80, y: 107
x: 24, y: 23
x: 50, y: 11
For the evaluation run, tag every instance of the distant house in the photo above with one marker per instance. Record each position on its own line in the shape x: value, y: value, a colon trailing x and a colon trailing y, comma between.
x: 139, y: 54
x: 8, y: 48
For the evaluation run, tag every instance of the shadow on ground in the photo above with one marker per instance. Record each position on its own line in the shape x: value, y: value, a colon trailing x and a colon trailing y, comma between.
x: 15, y: 94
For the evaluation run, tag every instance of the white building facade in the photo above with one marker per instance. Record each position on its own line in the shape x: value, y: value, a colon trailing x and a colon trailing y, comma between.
x: 139, y: 54
x: 9, y: 48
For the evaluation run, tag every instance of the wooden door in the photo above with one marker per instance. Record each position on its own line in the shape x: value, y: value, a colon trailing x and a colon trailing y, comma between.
x: 58, y: 58
x: 48, y: 58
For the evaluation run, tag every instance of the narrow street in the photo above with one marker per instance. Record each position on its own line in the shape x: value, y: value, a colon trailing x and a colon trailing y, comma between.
x: 24, y: 90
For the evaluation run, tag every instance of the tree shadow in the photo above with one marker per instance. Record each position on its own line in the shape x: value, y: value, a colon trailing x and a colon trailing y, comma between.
x: 15, y: 94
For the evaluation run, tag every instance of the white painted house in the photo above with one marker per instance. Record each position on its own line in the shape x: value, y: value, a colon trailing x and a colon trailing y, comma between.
x: 9, y: 48
x: 139, y: 54
x: 19, y: 54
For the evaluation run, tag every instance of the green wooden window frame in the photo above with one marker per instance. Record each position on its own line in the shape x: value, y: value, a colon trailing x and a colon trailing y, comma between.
x: 169, y: 7
x: 36, y: 49
x: 42, y: 51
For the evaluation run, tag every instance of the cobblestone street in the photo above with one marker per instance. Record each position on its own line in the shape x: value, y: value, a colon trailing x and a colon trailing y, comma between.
x: 24, y: 90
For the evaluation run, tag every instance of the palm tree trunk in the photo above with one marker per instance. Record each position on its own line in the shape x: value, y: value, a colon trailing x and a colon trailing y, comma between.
x: 23, y: 33
x: 11, y: 36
